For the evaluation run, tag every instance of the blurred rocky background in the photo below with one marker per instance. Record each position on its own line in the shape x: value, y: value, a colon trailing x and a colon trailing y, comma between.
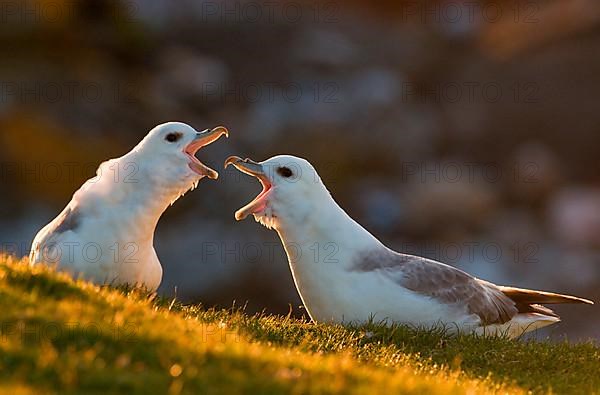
x: 468, y: 132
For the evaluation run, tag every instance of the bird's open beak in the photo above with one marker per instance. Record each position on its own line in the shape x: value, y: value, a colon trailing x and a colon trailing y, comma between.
x: 203, y: 139
x: 257, y: 170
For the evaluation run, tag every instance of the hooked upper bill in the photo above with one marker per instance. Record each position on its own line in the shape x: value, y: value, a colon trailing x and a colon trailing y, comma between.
x: 202, y: 140
x: 255, y: 169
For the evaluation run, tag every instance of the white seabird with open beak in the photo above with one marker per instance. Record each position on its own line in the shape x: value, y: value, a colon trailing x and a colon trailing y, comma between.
x: 345, y: 275
x: 106, y: 232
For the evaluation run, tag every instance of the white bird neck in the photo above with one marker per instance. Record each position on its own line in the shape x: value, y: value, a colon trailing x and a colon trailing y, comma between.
x: 136, y: 193
x: 327, y: 236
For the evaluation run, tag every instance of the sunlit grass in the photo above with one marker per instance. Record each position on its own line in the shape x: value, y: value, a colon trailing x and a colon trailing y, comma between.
x: 63, y: 336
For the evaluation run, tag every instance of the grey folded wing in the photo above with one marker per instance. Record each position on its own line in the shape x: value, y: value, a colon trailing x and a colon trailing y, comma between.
x: 47, y: 240
x: 441, y: 282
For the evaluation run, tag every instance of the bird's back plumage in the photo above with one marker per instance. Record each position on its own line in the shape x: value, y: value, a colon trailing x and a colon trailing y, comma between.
x: 492, y: 304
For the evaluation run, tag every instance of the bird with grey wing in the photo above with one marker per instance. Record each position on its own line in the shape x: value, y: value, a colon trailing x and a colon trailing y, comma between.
x: 361, y: 279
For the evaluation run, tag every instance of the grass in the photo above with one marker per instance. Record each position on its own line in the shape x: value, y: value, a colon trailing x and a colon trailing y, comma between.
x: 61, y: 336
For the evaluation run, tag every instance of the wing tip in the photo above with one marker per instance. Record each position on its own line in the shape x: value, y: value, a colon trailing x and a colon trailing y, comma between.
x: 587, y: 301
x: 546, y: 297
x: 577, y: 299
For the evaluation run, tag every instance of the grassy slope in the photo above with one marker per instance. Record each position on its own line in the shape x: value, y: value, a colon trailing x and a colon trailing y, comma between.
x: 61, y: 336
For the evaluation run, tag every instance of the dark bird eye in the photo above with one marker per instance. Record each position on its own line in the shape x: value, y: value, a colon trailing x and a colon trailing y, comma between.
x: 284, y: 172
x: 173, y: 137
